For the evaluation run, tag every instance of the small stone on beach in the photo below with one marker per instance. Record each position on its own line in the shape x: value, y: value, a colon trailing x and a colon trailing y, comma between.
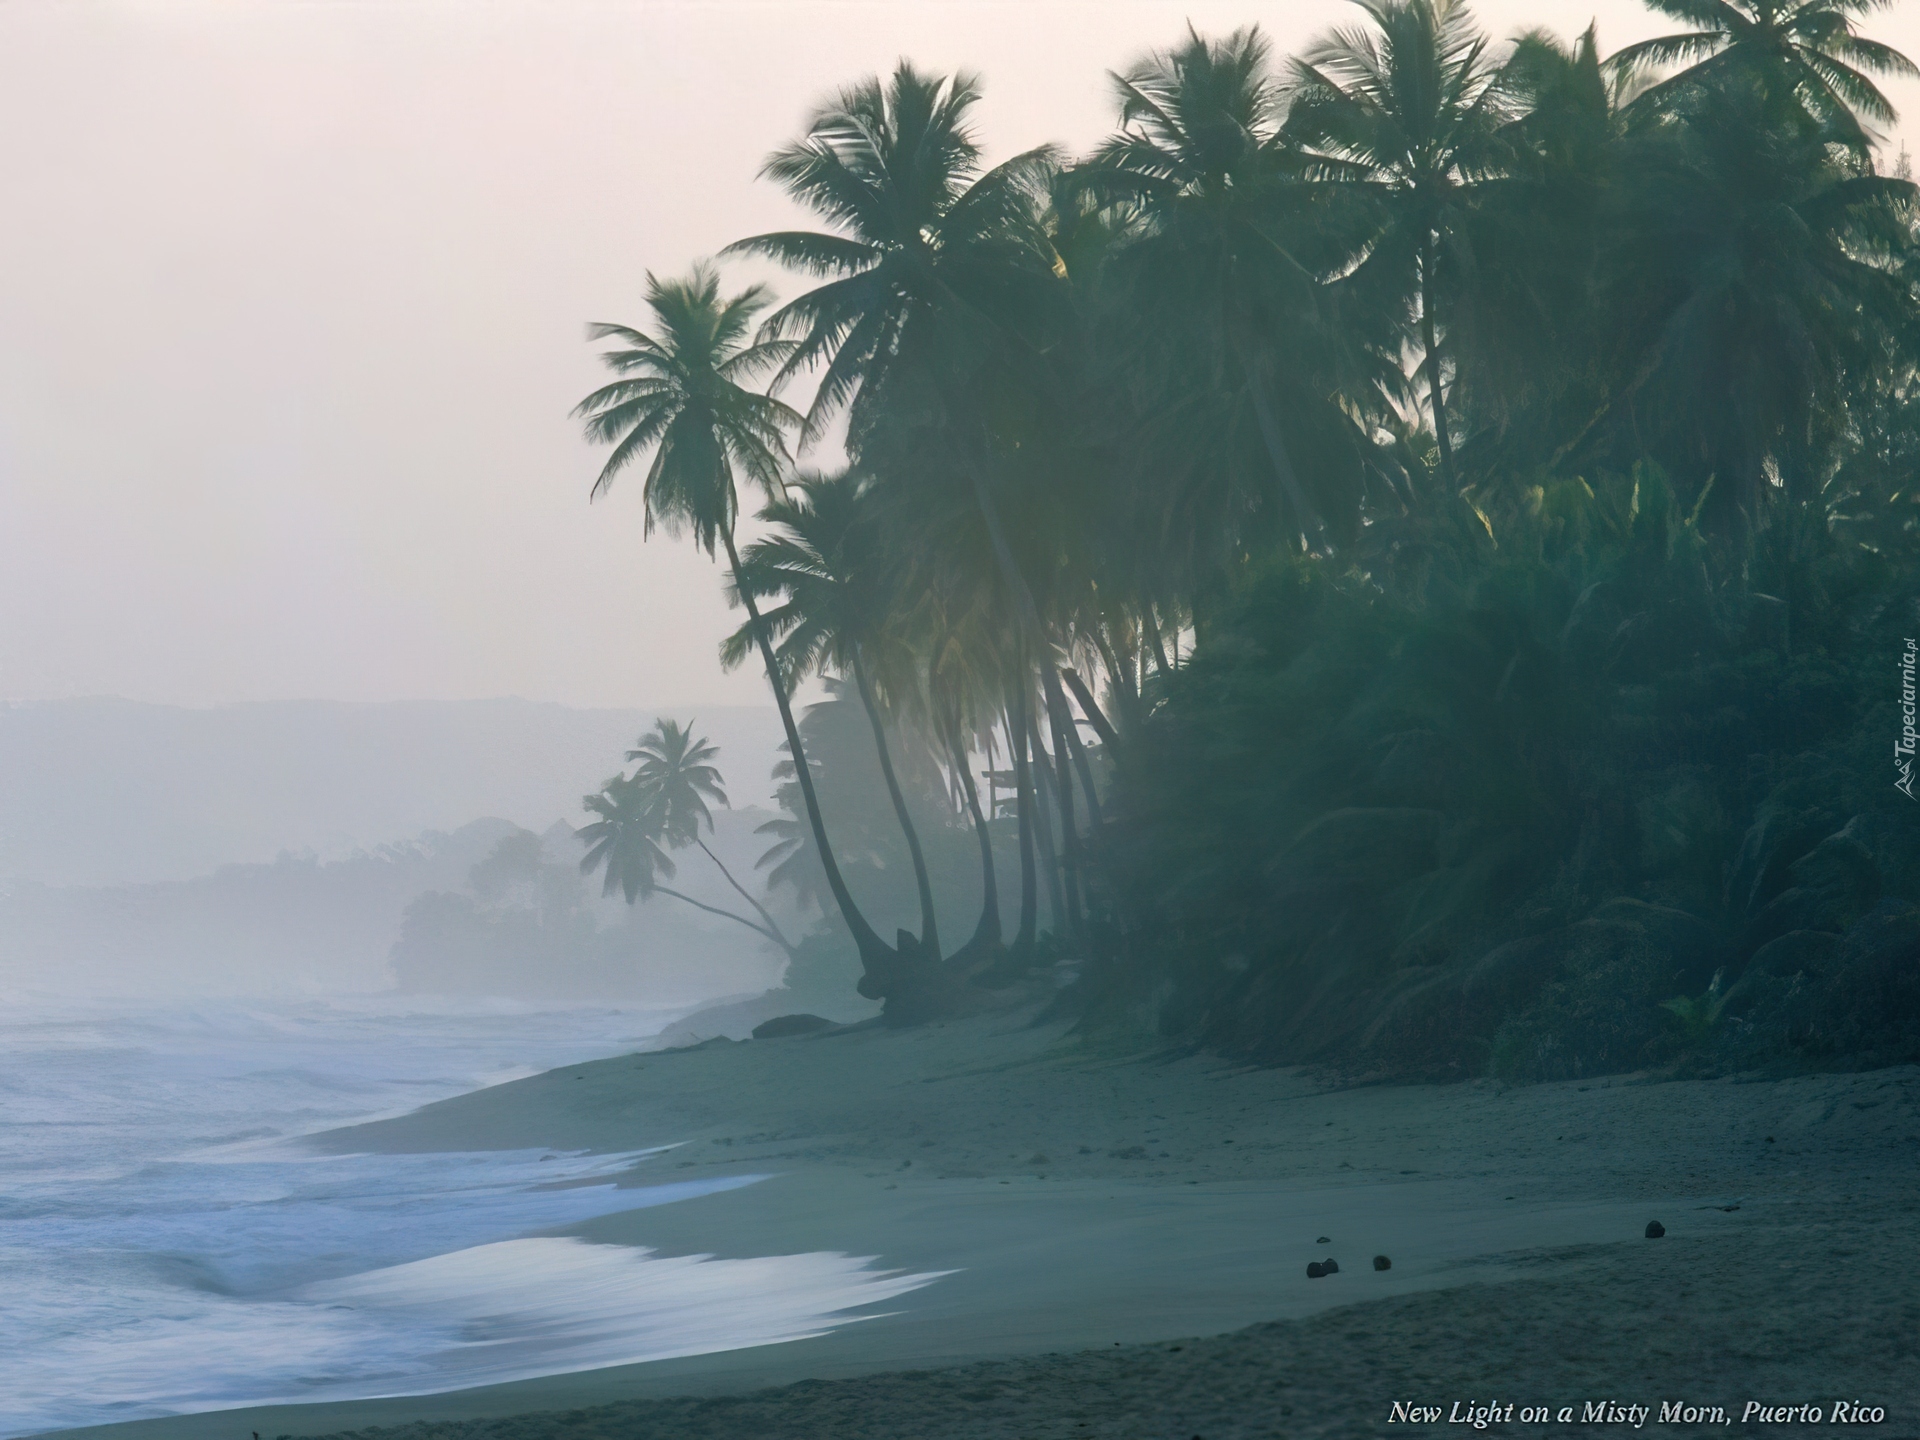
x: 1315, y: 1270
x: 1324, y: 1240
x: 1381, y: 1262
x: 1332, y: 1267
x: 1655, y: 1230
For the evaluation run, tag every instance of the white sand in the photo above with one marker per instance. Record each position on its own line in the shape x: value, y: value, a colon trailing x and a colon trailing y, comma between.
x: 1088, y: 1193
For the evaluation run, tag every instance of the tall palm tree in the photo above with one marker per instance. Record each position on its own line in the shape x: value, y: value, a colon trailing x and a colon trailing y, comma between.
x: 824, y: 562
x: 681, y: 397
x: 1809, y: 44
x: 928, y: 249
x: 941, y: 287
x: 939, y: 281
x: 677, y: 776
x: 1409, y: 114
x: 1219, y: 316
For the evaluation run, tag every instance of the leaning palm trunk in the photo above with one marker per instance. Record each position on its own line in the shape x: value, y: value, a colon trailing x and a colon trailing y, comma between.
x: 880, y: 962
x: 1065, y: 726
x: 769, y: 930
x: 929, y: 931
x: 773, y: 929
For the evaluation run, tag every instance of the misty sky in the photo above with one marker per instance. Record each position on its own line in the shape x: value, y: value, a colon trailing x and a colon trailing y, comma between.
x: 291, y: 308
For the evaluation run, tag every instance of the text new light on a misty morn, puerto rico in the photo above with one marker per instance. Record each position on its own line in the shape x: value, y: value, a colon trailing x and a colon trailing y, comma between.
x: 1479, y: 1414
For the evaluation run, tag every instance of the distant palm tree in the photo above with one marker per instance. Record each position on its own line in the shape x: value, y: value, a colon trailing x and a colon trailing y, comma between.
x: 630, y: 841
x: 824, y: 562
x: 678, y: 778
x: 1408, y: 114
x: 1811, y: 44
x: 681, y: 397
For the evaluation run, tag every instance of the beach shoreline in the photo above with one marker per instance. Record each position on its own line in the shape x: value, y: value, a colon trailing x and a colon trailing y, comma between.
x: 1086, y: 1194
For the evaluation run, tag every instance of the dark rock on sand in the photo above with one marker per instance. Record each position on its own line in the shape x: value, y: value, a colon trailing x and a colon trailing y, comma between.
x: 1315, y: 1270
x: 1332, y: 1267
x: 1381, y: 1262
x: 790, y: 1025
x: 1655, y: 1230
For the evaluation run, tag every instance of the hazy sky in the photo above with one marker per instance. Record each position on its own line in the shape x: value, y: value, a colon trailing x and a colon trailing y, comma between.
x: 291, y: 308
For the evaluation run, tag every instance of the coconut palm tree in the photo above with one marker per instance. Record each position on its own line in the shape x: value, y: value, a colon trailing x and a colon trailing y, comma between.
x: 677, y: 776
x: 1407, y: 114
x: 630, y: 842
x: 824, y: 564
x: 681, y: 396
x: 940, y: 285
x: 1810, y: 45
x: 1219, y: 317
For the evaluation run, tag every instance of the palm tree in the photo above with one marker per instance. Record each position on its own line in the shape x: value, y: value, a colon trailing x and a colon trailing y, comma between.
x: 678, y: 777
x: 681, y: 397
x: 1808, y: 44
x: 1219, y: 317
x: 824, y: 561
x: 924, y: 241
x: 940, y: 290
x: 940, y: 283
x: 630, y: 841
x: 1408, y: 114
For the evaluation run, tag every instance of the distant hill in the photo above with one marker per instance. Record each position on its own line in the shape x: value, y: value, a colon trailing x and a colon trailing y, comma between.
x: 109, y: 792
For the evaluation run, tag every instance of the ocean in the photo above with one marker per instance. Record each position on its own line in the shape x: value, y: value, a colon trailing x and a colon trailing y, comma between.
x: 167, y: 1249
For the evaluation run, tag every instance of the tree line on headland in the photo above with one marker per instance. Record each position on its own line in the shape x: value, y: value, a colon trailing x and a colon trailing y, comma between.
x: 1429, y: 524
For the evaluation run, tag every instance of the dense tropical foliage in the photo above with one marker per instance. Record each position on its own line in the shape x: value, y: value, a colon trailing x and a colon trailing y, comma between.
x: 1424, y: 532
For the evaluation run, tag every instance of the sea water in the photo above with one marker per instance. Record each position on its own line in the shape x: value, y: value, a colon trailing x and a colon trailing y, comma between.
x: 166, y: 1246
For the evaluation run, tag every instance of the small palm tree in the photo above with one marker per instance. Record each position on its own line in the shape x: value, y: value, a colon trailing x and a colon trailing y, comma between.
x: 1810, y: 44
x: 630, y: 841
x: 678, y: 777
x: 681, y: 397
x: 1409, y: 114
x: 626, y: 841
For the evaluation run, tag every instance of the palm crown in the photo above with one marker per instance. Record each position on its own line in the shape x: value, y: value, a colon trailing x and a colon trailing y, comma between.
x: 681, y: 395
x: 678, y: 778
x: 920, y: 231
x: 1811, y: 41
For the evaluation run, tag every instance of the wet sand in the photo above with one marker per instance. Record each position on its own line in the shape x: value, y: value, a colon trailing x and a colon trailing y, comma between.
x: 1099, y: 1204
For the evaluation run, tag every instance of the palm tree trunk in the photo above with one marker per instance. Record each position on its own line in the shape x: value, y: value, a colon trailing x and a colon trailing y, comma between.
x: 759, y: 909
x: 1044, y: 805
x: 986, y: 934
x: 778, y: 939
x: 1057, y: 771
x: 877, y: 958
x: 1277, y: 452
x: 1065, y: 727
x: 1435, y: 397
x: 929, y: 931
x: 1151, y: 627
x: 1023, y: 801
x: 1095, y: 716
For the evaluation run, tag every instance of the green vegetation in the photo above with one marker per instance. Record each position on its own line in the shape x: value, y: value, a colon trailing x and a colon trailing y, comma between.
x: 1429, y: 523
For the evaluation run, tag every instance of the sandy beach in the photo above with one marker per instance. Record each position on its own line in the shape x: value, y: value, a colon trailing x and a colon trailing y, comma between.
x: 1127, y: 1236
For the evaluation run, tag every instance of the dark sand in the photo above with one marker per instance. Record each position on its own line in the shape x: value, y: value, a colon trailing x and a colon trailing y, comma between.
x: 1087, y: 1195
